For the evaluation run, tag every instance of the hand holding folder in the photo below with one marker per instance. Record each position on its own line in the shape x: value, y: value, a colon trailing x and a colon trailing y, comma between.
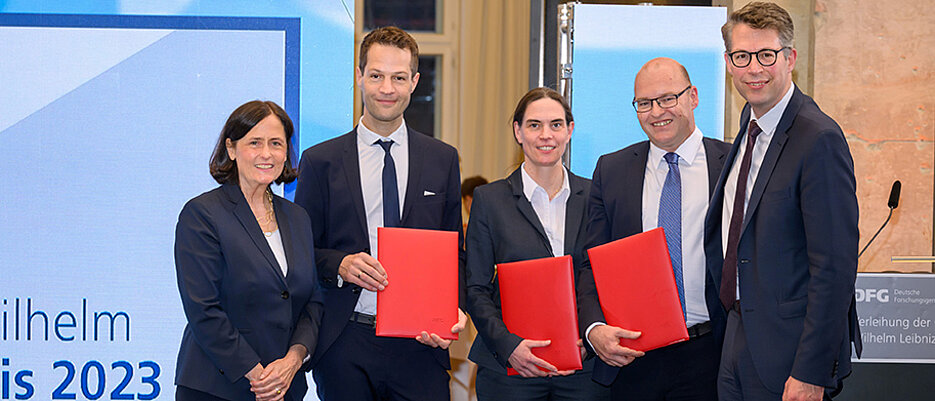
x: 537, y: 300
x: 637, y: 289
x: 423, y: 295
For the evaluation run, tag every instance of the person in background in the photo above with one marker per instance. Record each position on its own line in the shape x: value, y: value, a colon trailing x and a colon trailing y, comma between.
x: 536, y: 212
x: 467, y: 194
x: 246, y: 270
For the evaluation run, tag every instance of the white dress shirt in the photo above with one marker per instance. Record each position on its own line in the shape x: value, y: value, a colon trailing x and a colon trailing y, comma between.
x: 551, y: 212
x: 274, y: 239
x: 767, y: 124
x: 693, y: 169
x: 370, y: 155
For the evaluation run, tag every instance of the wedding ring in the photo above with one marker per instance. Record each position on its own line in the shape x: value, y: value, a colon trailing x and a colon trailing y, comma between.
x: 358, y: 274
x: 278, y: 391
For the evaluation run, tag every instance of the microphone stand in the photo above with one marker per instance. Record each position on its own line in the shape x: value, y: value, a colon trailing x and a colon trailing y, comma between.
x: 878, y: 233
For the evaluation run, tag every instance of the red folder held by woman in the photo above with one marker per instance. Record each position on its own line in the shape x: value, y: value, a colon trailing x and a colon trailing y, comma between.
x: 537, y: 298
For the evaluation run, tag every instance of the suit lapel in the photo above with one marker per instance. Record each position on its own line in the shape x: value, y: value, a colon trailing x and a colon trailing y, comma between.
x: 635, y: 172
x: 574, y: 211
x: 525, y: 208
x: 416, y: 159
x: 351, y: 162
x: 772, y: 155
x: 714, y: 160
x: 248, y: 221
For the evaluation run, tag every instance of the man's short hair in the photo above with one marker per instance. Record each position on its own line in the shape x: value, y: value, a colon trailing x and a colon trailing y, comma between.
x: 390, y: 36
x: 761, y: 15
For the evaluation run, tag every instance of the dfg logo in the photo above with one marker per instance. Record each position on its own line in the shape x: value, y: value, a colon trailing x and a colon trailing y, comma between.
x: 869, y: 294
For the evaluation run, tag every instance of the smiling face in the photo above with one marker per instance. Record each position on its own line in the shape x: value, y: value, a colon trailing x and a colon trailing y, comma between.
x: 543, y: 133
x: 261, y: 154
x: 761, y: 86
x: 666, y: 128
x: 386, y: 84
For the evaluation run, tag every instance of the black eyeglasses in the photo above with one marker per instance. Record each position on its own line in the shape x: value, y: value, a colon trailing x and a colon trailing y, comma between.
x: 665, y: 102
x: 765, y: 57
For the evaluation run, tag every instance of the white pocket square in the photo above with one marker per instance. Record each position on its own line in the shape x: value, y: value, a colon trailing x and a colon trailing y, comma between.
x: 428, y: 193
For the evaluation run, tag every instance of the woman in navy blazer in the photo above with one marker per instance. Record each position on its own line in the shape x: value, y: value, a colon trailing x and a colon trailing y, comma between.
x: 246, y: 270
x: 506, y: 226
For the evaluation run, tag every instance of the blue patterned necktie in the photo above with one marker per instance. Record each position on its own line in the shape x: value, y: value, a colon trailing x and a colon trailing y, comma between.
x: 670, y: 219
x: 390, y: 190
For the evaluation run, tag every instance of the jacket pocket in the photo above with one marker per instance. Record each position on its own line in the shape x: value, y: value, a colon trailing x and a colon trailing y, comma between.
x: 793, y: 308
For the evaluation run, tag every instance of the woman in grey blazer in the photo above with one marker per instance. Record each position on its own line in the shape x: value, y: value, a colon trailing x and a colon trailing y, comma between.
x: 246, y: 270
x: 536, y: 212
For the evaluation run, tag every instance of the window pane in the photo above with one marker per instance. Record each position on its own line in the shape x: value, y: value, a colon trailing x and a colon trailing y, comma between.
x: 421, y: 112
x: 410, y: 15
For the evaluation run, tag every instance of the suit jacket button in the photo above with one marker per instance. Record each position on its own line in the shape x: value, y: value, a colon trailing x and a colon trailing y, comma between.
x: 221, y: 370
x: 356, y: 290
x: 744, y: 260
x: 285, y: 295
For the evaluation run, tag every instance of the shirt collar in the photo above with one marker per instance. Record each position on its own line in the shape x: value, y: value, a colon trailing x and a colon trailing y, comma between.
x: 530, y: 186
x: 686, y: 151
x: 769, y: 121
x: 368, y: 137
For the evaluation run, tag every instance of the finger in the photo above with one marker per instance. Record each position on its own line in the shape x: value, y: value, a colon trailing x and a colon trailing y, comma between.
x: 538, y: 343
x: 628, y: 334
x: 541, y: 362
x: 441, y: 342
x: 374, y: 265
x: 564, y: 372
x: 367, y: 281
x: 425, y: 339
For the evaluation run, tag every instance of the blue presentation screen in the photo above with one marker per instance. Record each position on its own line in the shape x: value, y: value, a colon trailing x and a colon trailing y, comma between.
x: 611, y: 43
x: 107, y: 125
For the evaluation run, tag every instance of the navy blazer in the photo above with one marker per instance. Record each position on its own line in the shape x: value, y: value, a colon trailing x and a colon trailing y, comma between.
x: 329, y: 190
x: 241, y: 310
x: 615, y: 210
x: 504, y: 228
x: 797, y: 256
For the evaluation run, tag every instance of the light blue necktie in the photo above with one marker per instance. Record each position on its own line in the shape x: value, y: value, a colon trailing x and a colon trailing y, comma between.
x: 670, y: 219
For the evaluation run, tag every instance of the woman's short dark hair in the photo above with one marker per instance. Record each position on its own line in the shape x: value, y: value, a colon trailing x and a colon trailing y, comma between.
x: 536, y: 94
x: 241, y: 121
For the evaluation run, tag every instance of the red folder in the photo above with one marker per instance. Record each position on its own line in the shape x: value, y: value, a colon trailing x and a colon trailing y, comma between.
x: 537, y: 298
x: 637, y: 289
x: 422, y: 268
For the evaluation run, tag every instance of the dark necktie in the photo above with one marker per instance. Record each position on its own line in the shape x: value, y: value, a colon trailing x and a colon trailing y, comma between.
x: 670, y: 219
x: 728, y: 293
x: 390, y: 191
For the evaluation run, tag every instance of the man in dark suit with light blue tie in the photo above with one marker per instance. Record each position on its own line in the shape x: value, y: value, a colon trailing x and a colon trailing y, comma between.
x: 782, y: 227
x: 664, y: 182
x: 380, y: 174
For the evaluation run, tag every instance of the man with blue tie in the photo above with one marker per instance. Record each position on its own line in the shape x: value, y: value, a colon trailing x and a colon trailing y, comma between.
x: 782, y: 227
x: 663, y: 182
x: 381, y: 174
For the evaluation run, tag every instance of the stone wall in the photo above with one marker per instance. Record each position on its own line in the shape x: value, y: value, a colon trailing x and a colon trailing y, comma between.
x: 873, y: 73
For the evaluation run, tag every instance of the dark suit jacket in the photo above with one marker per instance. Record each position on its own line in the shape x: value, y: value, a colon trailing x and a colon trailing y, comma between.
x: 615, y: 211
x: 504, y: 228
x: 241, y: 310
x: 797, y: 257
x: 329, y: 189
